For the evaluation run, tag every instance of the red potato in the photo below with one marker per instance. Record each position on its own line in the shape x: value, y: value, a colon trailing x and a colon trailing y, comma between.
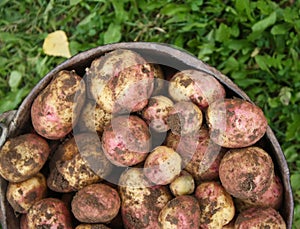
x: 201, y: 156
x: 183, y: 184
x: 156, y: 113
x: 57, y: 107
x: 21, y: 196
x: 126, y: 141
x: 92, y: 226
x: 162, y: 165
x: 196, y: 86
x: 49, y: 213
x: 22, y: 157
x: 184, y: 118
x: 141, y: 201
x: 121, y: 81
x: 272, y: 197
x: 217, y: 206
x: 259, y: 218
x: 182, y: 212
x: 96, y: 203
x: 246, y: 173
x: 235, y: 123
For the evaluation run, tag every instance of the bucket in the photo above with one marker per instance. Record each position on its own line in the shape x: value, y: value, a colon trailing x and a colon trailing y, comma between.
x: 14, y: 123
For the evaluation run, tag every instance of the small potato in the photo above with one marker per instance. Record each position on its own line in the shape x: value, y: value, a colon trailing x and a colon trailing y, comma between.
x: 57, y: 107
x: 183, y: 184
x: 197, y: 87
x: 259, y: 218
x: 96, y: 203
x: 159, y: 79
x: 120, y: 81
x: 49, y: 213
x: 141, y: 201
x: 217, y: 207
x: 92, y: 226
x: 23, y: 195
x: 184, y: 118
x: 246, y: 173
x: 126, y: 141
x: 182, y: 212
x: 22, y: 157
x: 162, y: 165
x: 235, y: 123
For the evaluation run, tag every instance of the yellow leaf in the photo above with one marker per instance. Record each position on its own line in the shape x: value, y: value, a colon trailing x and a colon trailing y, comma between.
x: 56, y: 44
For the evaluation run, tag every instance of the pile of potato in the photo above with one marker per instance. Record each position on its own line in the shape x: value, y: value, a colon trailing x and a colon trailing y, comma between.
x: 128, y: 146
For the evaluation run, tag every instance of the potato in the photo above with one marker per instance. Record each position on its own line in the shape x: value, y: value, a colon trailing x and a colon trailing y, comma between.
x: 195, y: 86
x: 126, y: 141
x: 120, y: 81
x: 49, y: 213
x: 156, y: 113
x: 201, y: 156
x: 159, y: 79
x: 162, y: 165
x: 259, y: 218
x: 92, y: 226
x: 272, y: 197
x: 183, y: 184
x: 246, y: 173
x: 217, y: 206
x: 184, y: 118
x: 57, y: 183
x: 235, y: 123
x: 57, y: 107
x: 141, y: 201
x: 96, y: 203
x: 182, y: 212
x: 23, y: 156
x: 22, y: 195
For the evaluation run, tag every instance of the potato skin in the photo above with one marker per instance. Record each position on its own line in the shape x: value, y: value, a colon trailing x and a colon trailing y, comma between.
x: 23, y: 195
x: 58, y: 106
x: 92, y: 226
x: 246, y: 173
x: 23, y: 156
x: 96, y: 203
x: 235, y: 123
x: 182, y: 212
x: 196, y: 86
x: 141, y: 201
x: 217, y: 206
x: 50, y: 213
x: 259, y: 218
x: 183, y: 184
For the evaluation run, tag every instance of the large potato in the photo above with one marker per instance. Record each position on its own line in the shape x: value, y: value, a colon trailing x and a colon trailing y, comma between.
x: 22, y: 157
x: 58, y: 106
x: 141, y: 201
x: 121, y: 81
x: 235, y: 123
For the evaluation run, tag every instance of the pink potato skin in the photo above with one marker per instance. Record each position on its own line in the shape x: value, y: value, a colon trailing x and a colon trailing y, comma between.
x: 96, y: 203
x: 259, y: 218
x: 182, y: 212
x: 126, y: 141
x: 51, y: 213
x: 201, y: 156
x: 235, y: 123
x: 197, y: 87
x: 246, y: 173
x: 58, y: 106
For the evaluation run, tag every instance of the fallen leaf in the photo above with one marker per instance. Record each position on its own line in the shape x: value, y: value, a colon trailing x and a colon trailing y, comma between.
x: 56, y: 44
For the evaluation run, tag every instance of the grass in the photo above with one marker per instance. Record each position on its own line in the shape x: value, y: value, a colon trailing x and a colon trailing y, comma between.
x: 255, y: 43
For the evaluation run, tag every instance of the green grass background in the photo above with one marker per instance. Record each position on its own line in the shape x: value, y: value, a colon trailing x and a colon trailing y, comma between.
x: 255, y: 43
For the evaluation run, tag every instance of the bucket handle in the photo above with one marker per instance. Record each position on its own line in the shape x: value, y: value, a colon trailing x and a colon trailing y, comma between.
x: 5, y: 119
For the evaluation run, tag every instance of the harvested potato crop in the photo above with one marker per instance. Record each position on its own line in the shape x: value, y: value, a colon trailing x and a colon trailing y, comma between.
x: 195, y: 86
x: 23, y: 156
x: 183, y: 184
x: 121, y: 81
x: 247, y: 172
x: 96, y: 203
x: 217, y: 206
x: 57, y: 107
x: 182, y: 212
x: 92, y: 226
x: 235, y: 123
